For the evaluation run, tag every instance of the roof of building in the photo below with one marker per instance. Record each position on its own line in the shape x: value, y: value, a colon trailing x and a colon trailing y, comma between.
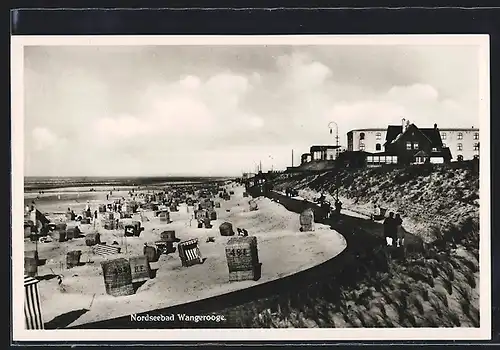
x: 458, y: 129
x: 322, y: 147
x: 367, y: 129
x: 445, y: 151
x: 392, y: 132
x: 432, y: 134
x: 384, y: 153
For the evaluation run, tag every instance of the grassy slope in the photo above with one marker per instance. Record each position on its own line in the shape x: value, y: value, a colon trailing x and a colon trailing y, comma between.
x: 434, y: 286
x: 429, y: 197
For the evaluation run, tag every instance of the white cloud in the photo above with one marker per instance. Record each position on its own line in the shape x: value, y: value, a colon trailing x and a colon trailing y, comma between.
x: 190, y: 82
x: 105, y: 112
x: 416, y: 93
x: 302, y: 72
x: 43, y: 138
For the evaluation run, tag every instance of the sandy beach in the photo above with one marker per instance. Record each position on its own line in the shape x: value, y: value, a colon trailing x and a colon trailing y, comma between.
x: 283, y: 250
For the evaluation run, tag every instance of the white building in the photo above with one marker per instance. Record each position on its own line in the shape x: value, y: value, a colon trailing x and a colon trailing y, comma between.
x: 463, y: 142
x: 368, y: 140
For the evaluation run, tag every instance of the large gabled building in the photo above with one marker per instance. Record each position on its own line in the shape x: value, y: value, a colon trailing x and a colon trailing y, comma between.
x: 463, y: 143
x: 413, y: 145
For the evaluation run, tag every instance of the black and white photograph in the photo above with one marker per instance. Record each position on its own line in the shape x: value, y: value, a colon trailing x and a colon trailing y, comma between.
x: 212, y: 188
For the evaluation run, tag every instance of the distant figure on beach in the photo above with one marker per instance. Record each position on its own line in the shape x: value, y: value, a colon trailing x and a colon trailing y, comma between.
x: 389, y: 225
x: 338, y: 206
x: 95, y: 214
x: 400, y: 233
x: 326, y: 209
x: 321, y: 198
x: 376, y: 212
x: 107, y: 197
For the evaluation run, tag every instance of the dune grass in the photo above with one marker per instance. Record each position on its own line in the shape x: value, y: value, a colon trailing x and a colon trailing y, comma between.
x: 431, y: 286
x: 400, y: 295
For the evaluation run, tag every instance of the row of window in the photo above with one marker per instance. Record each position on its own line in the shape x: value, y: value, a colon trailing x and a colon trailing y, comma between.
x: 378, y: 146
x: 415, y: 146
x: 378, y: 135
x: 460, y: 136
x: 460, y: 146
x: 382, y: 159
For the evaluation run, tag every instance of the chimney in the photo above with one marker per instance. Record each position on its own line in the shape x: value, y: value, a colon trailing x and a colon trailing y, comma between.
x: 435, y: 126
x: 403, y: 124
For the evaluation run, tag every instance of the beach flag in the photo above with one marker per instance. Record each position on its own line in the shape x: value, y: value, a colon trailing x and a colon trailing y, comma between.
x: 32, y: 309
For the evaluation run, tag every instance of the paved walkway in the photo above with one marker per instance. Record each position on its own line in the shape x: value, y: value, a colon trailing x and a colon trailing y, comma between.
x: 353, y: 225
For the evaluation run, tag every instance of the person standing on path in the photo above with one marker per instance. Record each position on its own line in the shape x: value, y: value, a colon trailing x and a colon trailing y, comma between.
x: 377, y: 212
x: 389, y: 226
x: 400, y: 233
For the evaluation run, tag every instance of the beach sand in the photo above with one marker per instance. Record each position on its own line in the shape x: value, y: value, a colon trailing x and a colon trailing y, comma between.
x: 283, y: 250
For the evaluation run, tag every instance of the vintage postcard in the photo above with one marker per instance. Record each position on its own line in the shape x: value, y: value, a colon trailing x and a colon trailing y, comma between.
x: 220, y: 188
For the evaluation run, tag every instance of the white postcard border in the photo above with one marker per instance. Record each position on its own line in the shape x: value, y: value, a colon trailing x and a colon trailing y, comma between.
x: 220, y: 335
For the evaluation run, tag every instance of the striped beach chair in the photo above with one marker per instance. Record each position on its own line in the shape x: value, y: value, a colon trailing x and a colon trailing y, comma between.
x: 104, y: 249
x: 189, y: 252
x: 32, y: 308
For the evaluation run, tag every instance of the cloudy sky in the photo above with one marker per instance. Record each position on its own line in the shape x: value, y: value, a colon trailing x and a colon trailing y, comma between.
x: 219, y: 110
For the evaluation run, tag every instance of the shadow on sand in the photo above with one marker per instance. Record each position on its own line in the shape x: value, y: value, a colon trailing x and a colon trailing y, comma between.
x: 46, y: 277
x: 64, y: 320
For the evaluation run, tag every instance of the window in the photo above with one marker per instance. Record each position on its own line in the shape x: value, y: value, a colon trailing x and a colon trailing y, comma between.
x: 476, y: 136
x: 476, y: 157
x: 369, y: 159
x: 408, y: 145
x: 376, y: 159
x: 460, y: 146
x: 415, y: 145
x: 382, y: 159
x: 434, y: 149
x: 362, y: 136
x: 443, y: 136
x: 378, y: 147
x: 444, y: 145
x: 460, y: 136
x: 476, y: 146
x: 395, y: 159
x: 378, y: 135
x: 460, y: 158
x: 361, y: 146
x: 418, y: 160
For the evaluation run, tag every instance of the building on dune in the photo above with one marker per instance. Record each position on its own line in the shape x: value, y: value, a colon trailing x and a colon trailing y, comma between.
x: 463, y: 143
x: 396, y: 145
x: 407, y: 144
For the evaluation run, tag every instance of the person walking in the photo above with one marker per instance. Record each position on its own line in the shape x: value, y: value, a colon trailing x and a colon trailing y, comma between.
x: 376, y: 212
x: 389, y: 229
x: 400, y: 233
x: 338, y: 207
